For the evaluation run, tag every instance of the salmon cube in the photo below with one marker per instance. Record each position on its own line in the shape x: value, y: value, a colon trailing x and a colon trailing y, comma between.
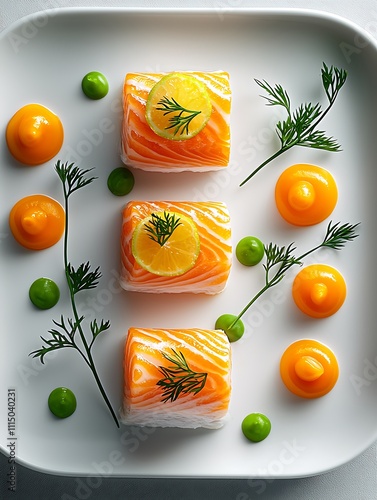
x: 154, y: 392
x: 211, y: 270
x: 142, y: 148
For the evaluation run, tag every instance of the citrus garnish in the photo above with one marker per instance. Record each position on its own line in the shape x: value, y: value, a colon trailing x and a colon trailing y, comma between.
x: 178, y: 107
x: 166, y: 243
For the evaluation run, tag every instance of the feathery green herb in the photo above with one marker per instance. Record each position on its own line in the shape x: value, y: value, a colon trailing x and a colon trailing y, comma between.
x: 179, y: 378
x: 161, y: 228
x: 281, y: 259
x: 299, y: 129
x: 181, y: 120
x: 69, y: 332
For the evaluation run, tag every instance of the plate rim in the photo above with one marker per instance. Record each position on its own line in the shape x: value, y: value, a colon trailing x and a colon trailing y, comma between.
x: 227, y: 11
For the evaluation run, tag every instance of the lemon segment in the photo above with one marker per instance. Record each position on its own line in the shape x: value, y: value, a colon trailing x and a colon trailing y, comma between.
x: 178, y: 107
x: 176, y: 256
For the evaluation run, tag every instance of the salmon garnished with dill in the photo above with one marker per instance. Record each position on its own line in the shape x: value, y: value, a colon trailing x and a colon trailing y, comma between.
x: 142, y: 148
x: 176, y: 378
x: 209, y: 272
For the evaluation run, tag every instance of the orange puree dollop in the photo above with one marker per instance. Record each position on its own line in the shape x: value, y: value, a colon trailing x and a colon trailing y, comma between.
x: 34, y: 134
x: 319, y: 290
x: 309, y: 369
x: 37, y: 221
x: 305, y: 194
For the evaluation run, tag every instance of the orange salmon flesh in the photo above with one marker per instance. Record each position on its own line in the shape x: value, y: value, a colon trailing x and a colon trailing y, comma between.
x: 211, y: 270
x: 142, y: 148
x: 205, y: 351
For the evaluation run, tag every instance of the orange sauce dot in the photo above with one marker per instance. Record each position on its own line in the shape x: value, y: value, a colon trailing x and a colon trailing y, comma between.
x: 319, y: 290
x: 34, y: 134
x: 37, y: 221
x: 305, y: 194
x: 309, y: 369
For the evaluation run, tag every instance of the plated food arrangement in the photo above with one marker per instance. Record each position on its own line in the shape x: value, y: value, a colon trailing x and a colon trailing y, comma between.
x: 174, y: 122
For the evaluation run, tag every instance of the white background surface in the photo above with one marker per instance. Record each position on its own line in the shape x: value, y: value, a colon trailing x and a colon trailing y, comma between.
x: 356, y: 480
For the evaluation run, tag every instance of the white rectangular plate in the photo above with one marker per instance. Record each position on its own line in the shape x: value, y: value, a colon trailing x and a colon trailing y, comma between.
x: 43, y: 59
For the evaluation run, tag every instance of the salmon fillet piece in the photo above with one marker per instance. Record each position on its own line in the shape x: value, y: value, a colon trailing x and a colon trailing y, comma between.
x: 142, y: 148
x: 211, y: 270
x: 145, y: 401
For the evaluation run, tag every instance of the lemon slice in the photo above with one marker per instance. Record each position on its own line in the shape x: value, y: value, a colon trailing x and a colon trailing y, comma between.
x: 176, y: 255
x: 178, y: 107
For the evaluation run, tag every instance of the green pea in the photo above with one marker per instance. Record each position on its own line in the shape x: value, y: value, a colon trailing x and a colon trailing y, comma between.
x: 120, y: 181
x: 62, y: 402
x: 234, y: 333
x: 95, y: 85
x: 256, y: 427
x: 44, y: 293
x: 249, y: 251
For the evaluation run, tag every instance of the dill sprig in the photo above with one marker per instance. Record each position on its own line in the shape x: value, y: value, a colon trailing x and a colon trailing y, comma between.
x: 337, y: 235
x: 161, y: 228
x: 69, y: 331
x: 281, y: 259
x: 179, y: 378
x: 180, y: 121
x: 299, y: 129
